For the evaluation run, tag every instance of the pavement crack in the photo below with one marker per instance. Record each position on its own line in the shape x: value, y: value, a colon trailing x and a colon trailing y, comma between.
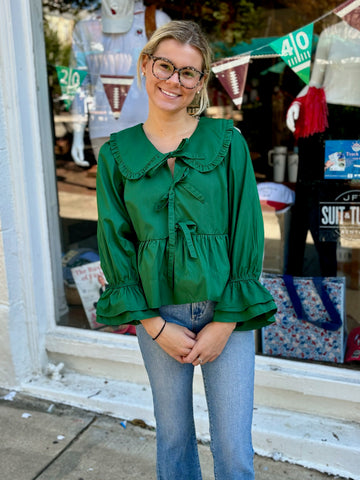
x: 75, y: 439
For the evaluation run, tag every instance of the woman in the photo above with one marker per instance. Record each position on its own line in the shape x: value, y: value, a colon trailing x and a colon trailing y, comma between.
x: 181, y: 243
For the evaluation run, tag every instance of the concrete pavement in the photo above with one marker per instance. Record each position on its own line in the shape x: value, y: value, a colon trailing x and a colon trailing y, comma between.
x: 45, y: 441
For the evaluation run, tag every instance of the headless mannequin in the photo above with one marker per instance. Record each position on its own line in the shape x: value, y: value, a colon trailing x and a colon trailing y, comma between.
x: 108, y: 54
x: 336, y: 69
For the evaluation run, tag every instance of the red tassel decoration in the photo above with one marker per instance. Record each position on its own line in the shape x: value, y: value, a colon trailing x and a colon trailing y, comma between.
x: 313, y: 113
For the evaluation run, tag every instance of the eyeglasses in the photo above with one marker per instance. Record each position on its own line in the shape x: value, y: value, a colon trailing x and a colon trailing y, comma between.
x: 163, y: 69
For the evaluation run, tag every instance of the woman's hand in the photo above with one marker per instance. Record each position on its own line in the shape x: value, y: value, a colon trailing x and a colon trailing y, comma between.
x: 175, y: 340
x: 210, y: 342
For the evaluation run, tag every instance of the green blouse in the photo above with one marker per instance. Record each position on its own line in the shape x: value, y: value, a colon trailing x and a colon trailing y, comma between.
x: 190, y: 236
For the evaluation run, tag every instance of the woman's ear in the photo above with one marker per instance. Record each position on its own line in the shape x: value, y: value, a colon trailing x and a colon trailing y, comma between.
x: 201, y: 85
x: 144, y: 62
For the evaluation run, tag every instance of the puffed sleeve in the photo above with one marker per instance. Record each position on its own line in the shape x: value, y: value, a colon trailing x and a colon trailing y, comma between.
x: 321, y: 61
x: 245, y: 300
x: 123, y: 301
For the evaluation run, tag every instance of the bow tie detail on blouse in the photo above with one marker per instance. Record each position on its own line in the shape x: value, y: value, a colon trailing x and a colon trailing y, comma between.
x: 186, y: 227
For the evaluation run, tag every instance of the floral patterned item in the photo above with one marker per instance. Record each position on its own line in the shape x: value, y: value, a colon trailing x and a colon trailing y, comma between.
x: 291, y: 337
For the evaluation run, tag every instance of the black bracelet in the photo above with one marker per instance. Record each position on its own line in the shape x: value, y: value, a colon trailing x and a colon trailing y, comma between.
x: 161, y: 330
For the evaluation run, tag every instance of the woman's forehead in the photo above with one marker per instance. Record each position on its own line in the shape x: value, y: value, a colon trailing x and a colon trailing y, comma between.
x: 178, y: 52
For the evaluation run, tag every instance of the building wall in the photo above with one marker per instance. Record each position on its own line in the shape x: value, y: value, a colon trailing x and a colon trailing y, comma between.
x: 25, y: 256
x: 6, y: 370
x: 7, y: 236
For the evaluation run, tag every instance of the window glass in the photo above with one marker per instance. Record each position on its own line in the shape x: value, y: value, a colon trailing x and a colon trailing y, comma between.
x: 295, y: 96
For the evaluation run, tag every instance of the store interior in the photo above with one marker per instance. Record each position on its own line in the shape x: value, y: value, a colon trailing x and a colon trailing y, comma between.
x: 269, y: 91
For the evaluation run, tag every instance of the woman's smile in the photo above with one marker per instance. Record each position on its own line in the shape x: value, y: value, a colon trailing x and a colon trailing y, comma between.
x: 169, y: 94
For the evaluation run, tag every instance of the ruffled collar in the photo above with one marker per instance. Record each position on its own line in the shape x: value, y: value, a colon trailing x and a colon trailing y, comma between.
x: 136, y: 156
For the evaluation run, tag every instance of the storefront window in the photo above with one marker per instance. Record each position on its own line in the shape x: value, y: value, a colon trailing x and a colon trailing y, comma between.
x: 298, y: 106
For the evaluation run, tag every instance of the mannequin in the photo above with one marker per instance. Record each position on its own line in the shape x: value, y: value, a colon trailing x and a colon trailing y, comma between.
x: 336, y: 69
x: 108, y: 44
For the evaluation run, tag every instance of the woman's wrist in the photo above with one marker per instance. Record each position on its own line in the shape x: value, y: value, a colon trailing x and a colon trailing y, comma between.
x: 160, y: 331
x: 228, y: 325
x: 153, y: 325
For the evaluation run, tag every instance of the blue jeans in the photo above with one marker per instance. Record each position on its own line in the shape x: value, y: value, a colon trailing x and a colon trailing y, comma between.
x: 229, y: 387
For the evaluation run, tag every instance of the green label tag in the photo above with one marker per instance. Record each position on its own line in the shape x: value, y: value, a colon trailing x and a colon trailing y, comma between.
x: 70, y: 80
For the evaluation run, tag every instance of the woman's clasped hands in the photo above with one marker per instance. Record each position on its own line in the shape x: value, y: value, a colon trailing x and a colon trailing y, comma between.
x: 186, y: 346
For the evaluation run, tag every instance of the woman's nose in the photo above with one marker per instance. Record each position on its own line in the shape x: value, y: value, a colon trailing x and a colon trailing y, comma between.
x: 175, y: 79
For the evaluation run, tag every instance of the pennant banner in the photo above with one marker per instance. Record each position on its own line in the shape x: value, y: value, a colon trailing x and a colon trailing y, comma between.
x: 295, y: 50
x: 116, y: 88
x: 70, y: 80
x: 232, y: 74
x: 350, y: 12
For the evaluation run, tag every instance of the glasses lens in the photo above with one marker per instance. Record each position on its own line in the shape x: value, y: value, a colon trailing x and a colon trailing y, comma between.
x: 162, y: 69
x: 189, y: 77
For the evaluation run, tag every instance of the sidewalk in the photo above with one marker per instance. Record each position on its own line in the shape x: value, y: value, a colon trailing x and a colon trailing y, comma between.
x: 45, y: 441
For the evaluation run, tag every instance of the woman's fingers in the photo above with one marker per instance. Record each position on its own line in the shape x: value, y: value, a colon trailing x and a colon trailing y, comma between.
x: 177, y: 341
x: 210, y: 342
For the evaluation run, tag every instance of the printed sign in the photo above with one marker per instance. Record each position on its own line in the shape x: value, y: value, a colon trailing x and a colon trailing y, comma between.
x: 342, y: 216
x: 90, y: 282
x: 295, y: 50
x: 70, y: 80
x: 342, y: 159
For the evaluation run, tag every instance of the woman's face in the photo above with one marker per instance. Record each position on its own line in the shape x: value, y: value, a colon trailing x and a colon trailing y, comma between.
x: 169, y: 94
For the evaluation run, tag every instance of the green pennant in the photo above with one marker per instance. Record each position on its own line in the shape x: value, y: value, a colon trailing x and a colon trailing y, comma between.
x: 295, y: 50
x: 70, y: 80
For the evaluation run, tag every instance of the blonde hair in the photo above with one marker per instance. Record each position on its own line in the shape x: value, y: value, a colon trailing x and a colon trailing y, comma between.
x: 185, y: 32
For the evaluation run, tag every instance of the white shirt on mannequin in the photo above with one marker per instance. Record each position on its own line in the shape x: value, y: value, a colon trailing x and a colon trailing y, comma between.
x: 336, y: 68
x: 107, y: 54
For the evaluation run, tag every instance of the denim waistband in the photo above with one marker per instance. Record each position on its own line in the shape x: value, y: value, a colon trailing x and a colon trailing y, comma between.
x: 193, y: 316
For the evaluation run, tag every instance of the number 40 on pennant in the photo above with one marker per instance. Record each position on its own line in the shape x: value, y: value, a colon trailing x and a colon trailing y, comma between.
x: 295, y: 50
x: 299, y: 42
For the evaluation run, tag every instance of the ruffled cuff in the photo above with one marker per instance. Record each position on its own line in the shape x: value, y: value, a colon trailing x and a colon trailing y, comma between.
x: 125, y: 304
x: 246, y: 302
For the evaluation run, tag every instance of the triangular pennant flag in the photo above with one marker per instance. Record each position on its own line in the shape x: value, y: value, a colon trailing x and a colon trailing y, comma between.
x: 350, y: 12
x: 70, y: 80
x: 232, y: 74
x: 116, y: 88
x: 295, y: 50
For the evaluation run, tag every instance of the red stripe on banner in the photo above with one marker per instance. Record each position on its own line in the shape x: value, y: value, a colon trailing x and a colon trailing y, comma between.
x: 232, y: 74
x: 350, y: 12
x: 116, y: 88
